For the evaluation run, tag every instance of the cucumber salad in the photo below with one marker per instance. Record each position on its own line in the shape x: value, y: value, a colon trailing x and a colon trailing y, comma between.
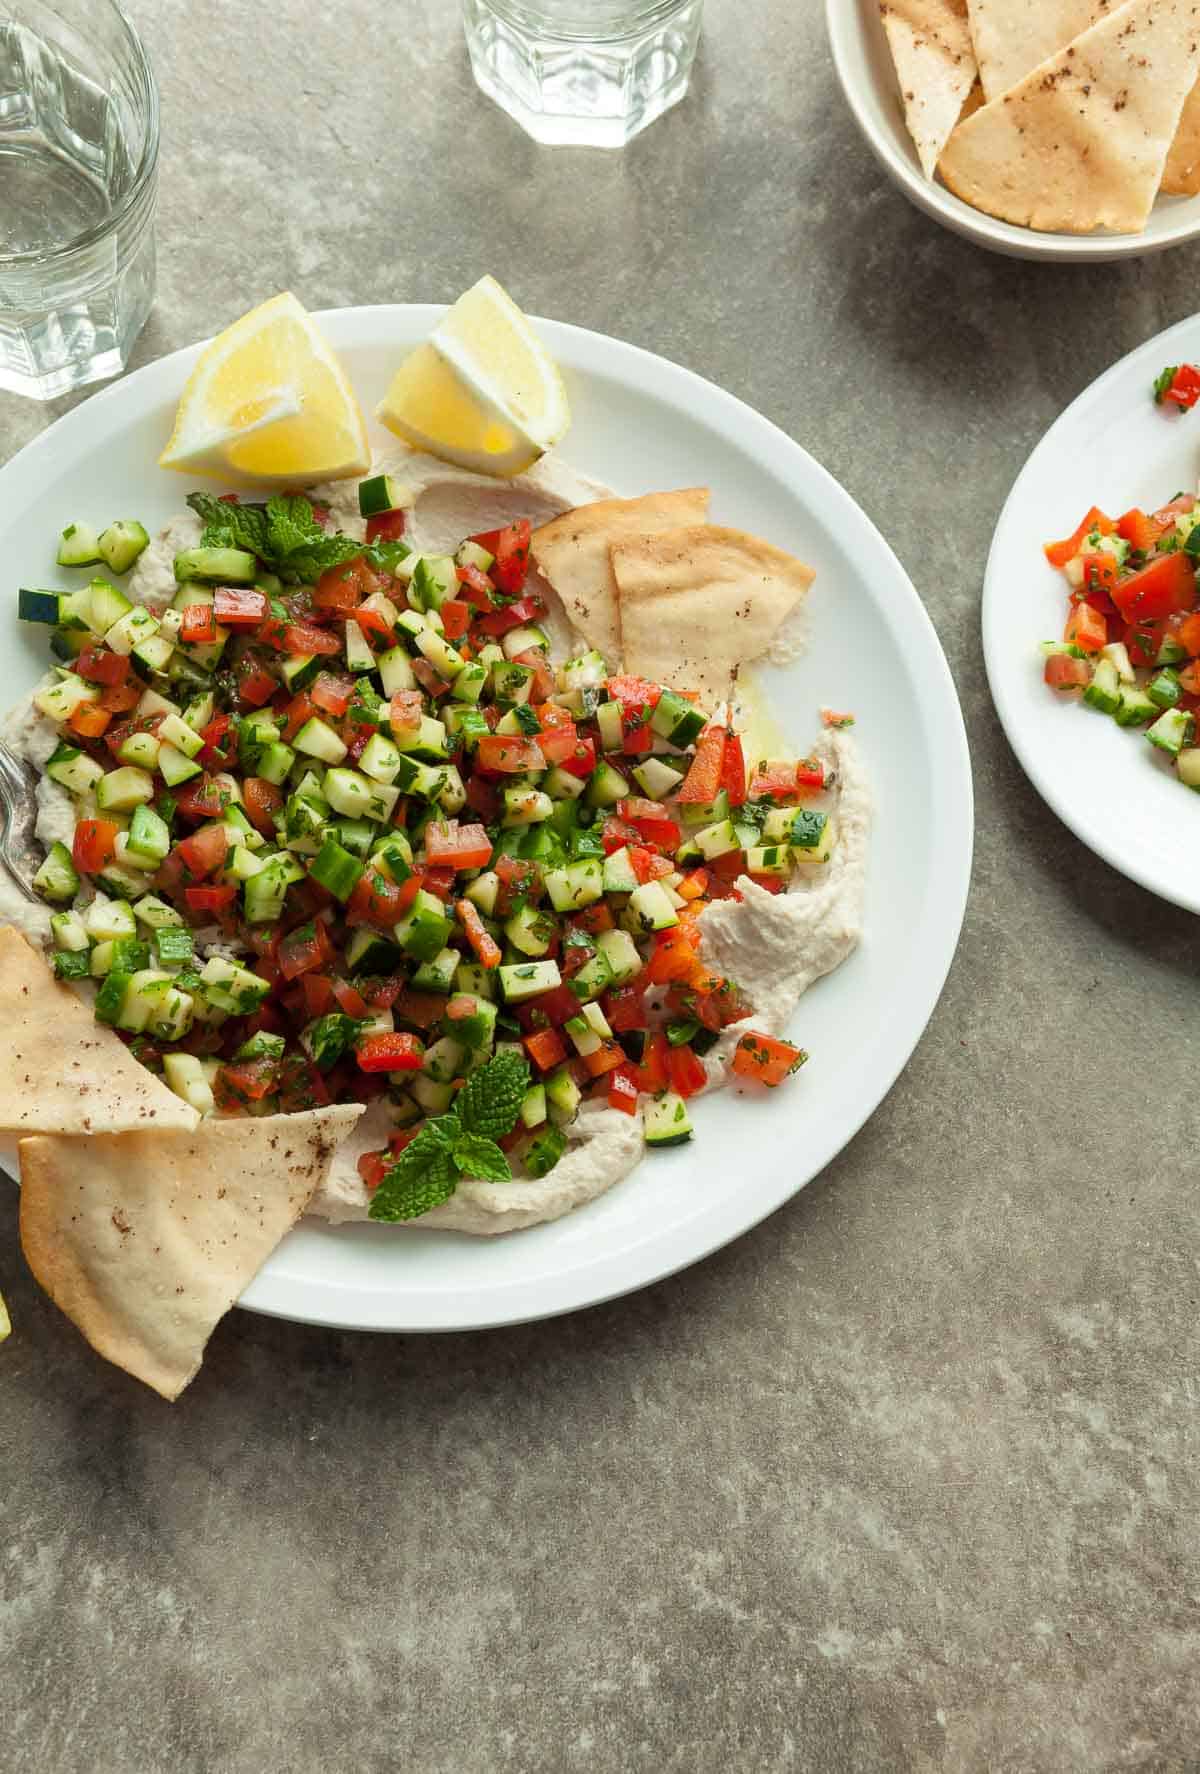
x: 1131, y: 646
x: 347, y: 825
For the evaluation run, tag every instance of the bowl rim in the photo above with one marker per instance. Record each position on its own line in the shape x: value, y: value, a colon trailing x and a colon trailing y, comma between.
x: 845, y: 26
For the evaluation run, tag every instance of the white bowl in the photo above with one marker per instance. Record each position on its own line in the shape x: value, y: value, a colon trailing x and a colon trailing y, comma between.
x: 868, y: 79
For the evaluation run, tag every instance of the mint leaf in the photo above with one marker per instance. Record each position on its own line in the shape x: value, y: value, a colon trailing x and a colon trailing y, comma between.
x: 490, y: 1100
x: 291, y: 524
x: 482, y: 1158
x: 305, y: 565
x: 231, y: 526
x: 422, y: 1177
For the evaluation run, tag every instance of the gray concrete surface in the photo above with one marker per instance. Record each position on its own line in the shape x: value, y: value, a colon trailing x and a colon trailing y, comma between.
x: 904, y: 1480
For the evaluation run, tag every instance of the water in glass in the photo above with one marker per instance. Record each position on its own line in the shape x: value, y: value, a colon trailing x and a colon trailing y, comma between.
x: 78, y: 165
x: 591, y: 73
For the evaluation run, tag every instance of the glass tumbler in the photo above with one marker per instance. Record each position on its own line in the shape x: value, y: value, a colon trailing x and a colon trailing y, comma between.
x: 588, y: 73
x: 78, y: 175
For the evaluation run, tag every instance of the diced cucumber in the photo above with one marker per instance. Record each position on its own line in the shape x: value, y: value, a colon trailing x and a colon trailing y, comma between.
x: 156, y: 914
x: 174, y: 768
x: 184, y: 1074
x: 425, y: 929
x: 69, y: 932
x: 819, y: 852
x: 56, y: 879
x: 1172, y: 731
x: 141, y: 749
x: 676, y: 720
x: 176, y: 732
x: 125, y: 858
x: 230, y: 987
x: 594, y: 977
x: 658, y: 777
x: 620, y: 951
x: 1118, y: 655
x: 563, y: 785
x: 380, y: 493
x: 318, y: 740
x: 1164, y: 690
x: 435, y: 1098
x: 609, y: 721
x: 395, y: 671
x: 588, y: 671
x: 174, y: 947
x: 584, y: 1037
x: 336, y: 870
x: 357, y: 797
x: 433, y: 582
x: 121, y: 543
x: 807, y: 828
x: 619, y: 875
x: 446, y: 660
x: 301, y: 670
x: 541, y: 1153
x: 717, y: 840
x: 111, y: 998
x: 563, y: 1097
x: 223, y: 566
x: 437, y: 974
x: 769, y: 859
x: 357, y: 649
x: 701, y: 813
x: 666, y: 1120
x: 606, y: 786
x: 529, y: 638
x: 483, y: 891
x: 529, y: 930
x: 380, y: 759
x: 578, y: 885
x: 512, y: 682
x: 60, y: 700
x: 652, y: 907
x: 264, y: 895
x: 1136, y: 707
x: 107, y: 606
x: 470, y: 554
x: 148, y: 835
x: 369, y: 952
x: 78, y: 546
x: 526, y: 806
x: 38, y: 606
x: 533, y: 1106
x: 132, y: 631
x: 526, y: 979
x: 274, y: 762
x: 74, y: 770
x: 1187, y: 764
x: 118, y: 791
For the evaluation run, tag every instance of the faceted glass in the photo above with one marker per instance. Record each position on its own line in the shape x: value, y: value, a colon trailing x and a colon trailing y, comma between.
x: 589, y: 73
x: 78, y: 176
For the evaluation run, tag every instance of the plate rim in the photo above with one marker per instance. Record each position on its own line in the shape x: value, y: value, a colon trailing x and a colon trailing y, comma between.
x: 996, y: 656
x: 845, y: 26
x: 704, y: 1234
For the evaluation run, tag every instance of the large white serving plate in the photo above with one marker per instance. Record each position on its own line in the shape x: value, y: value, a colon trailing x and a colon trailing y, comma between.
x: 1112, y: 448
x: 640, y: 423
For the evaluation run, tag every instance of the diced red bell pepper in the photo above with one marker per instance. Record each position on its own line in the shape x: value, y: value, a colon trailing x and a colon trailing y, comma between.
x: 1059, y: 553
x: 456, y: 618
x: 1166, y: 587
x: 205, y: 851
x: 733, y: 770
x: 625, y: 1008
x: 210, y: 899
x: 94, y: 845
x: 386, y: 526
x: 546, y: 1048
x: 705, y: 775
x: 387, y: 1052
x: 199, y: 625
x: 487, y: 950
x: 89, y: 720
x: 685, y: 1071
x: 256, y: 686
x: 673, y: 958
x: 623, y: 1089
x: 247, y: 1080
x: 1100, y: 572
x: 694, y: 884
x: 477, y: 588
x: 648, y: 865
x: 652, y: 1074
x: 582, y: 760
x: 810, y: 775
x: 373, y: 626
x: 120, y: 698
x: 510, y: 548
x: 1086, y: 628
x: 451, y: 845
x: 1188, y: 635
x: 380, y: 902
x: 766, y: 1059
x: 615, y: 834
x: 776, y: 782
x: 498, y: 622
x: 649, y: 819
x: 510, y: 756
x: 1183, y: 390
x: 1140, y: 531
x: 238, y: 606
x: 372, y: 1168
x: 100, y: 665
x: 607, y: 1057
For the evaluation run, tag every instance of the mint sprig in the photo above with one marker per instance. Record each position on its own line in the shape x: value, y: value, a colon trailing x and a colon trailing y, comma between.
x: 283, y: 534
x: 460, y: 1143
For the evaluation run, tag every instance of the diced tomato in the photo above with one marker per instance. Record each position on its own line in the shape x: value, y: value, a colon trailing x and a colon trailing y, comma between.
x: 372, y: 624
x: 100, y: 665
x: 262, y: 801
x: 299, y: 710
x: 209, y: 899
x: 1059, y: 553
x: 497, y: 622
x: 625, y: 1008
x: 510, y: 756
x: 546, y: 1049
x: 520, y: 879
x: 685, y: 1071
x: 476, y: 588
x: 431, y: 681
x: 202, y: 798
x: 205, y: 851
x: 673, y: 958
x: 483, y: 797
x: 766, y: 1059
x: 607, y: 1057
x: 1065, y: 673
x: 304, y: 637
x: 487, y: 950
x: 1166, y: 587
x: 404, y: 713
x: 582, y: 759
x: 623, y: 1089
x: 247, y: 1080
x: 256, y: 686
x: 422, y: 1008
x: 372, y: 1168
x: 350, y: 1000
x: 694, y: 884
x: 615, y: 834
x: 648, y: 865
x: 544, y: 683
x: 510, y: 547
x: 733, y: 770
x: 557, y: 1005
x: 387, y: 1052
x: 1140, y: 531
x: 332, y: 693
x: 1183, y: 390
x: 454, y: 846
x: 94, y: 845
x: 652, y: 1073
x: 341, y: 589
x: 810, y: 775
x: 706, y: 774
x: 318, y: 993
x: 305, y: 950
x: 649, y: 819
x: 776, y: 782
x: 1100, y: 572
x: 239, y: 606
x: 1086, y: 628
x: 439, y: 881
x: 1188, y: 635
x: 456, y: 618
x: 634, y: 692
x: 120, y: 698
x: 592, y: 919
x: 386, y: 526
x: 89, y: 720
x: 768, y: 883
x: 199, y: 626
x: 378, y: 901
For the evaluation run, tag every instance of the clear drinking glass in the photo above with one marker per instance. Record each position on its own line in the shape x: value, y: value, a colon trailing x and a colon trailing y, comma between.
x: 78, y: 175
x: 590, y: 73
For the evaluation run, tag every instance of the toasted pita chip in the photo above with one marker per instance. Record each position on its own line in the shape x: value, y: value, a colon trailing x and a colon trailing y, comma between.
x: 698, y: 602
x: 1012, y: 37
x: 145, y: 1240
x: 62, y: 1071
x: 1081, y: 142
x: 935, y: 65
x: 1181, y: 175
x: 572, y: 552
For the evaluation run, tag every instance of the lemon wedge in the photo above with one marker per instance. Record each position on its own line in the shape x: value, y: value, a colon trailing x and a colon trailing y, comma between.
x: 268, y: 401
x: 5, y: 1320
x: 483, y: 392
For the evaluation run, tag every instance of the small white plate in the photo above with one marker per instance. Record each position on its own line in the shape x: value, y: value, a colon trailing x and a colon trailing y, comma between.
x: 868, y: 79
x: 1112, y: 448
x: 639, y: 423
